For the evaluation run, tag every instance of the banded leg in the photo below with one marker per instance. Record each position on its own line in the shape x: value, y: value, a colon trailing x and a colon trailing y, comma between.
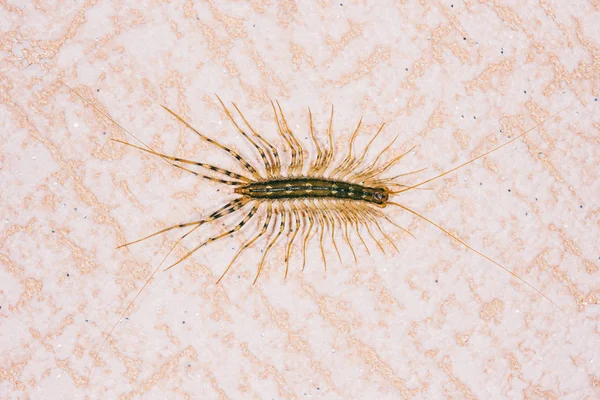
x: 292, y: 167
x: 273, y: 150
x: 199, y: 164
x: 215, y: 238
x: 250, y: 242
x: 297, y: 144
x: 121, y: 127
x: 261, y: 151
x: 221, y: 212
x: 245, y: 164
x: 281, y: 215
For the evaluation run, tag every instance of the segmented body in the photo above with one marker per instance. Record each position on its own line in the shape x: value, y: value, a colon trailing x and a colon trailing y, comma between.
x: 303, y: 198
x: 321, y: 197
x: 310, y: 188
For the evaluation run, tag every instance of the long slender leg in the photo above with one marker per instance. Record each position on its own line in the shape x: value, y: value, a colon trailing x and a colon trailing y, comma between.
x: 318, y: 218
x: 347, y: 235
x: 349, y: 159
x: 366, y: 224
x: 282, y: 223
x: 299, y: 148
x: 352, y: 166
x: 387, y: 166
x: 261, y: 151
x: 215, y: 238
x: 374, y: 220
x: 332, y: 219
x: 320, y: 153
x: 357, y: 228
x: 144, y: 286
x: 445, y: 231
x: 121, y: 127
x: 245, y: 164
x: 330, y: 151
x: 389, y: 180
x: 484, y: 154
x: 221, y: 212
x: 183, y: 160
x: 311, y: 223
x: 291, y: 241
x: 357, y: 175
x: 289, y: 142
x: 273, y: 150
x: 321, y: 220
x: 250, y: 242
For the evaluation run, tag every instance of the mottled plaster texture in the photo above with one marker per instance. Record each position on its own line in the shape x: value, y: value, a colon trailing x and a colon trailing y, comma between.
x: 432, y: 321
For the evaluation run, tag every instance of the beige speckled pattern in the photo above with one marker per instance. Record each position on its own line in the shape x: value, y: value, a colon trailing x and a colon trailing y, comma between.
x: 436, y: 322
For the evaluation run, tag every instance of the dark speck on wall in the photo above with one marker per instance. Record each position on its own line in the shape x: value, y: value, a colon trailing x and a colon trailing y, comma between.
x: 509, y: 190
x: 68, y: 275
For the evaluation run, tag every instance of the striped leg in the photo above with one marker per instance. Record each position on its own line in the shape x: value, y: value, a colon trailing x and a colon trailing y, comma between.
x: 276, y: 166
x: 245, y: 164
x: 215, y: 238
x: 282, y: 222
x: 259, y: 148
x: 250, y: 242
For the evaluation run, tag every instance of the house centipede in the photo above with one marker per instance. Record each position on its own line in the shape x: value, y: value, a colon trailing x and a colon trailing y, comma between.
x: 290, y: 202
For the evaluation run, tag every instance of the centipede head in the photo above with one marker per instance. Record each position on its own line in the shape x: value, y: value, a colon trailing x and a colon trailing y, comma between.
x: 381, y: 196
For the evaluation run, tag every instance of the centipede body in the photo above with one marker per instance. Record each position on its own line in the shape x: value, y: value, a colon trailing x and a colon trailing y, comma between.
x: 304, y: 197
